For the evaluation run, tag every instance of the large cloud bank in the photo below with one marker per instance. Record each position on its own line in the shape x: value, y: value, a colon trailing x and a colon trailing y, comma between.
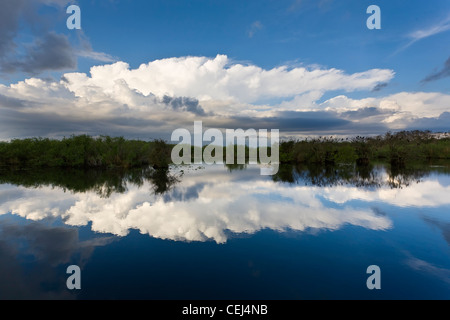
x: 166, y: 94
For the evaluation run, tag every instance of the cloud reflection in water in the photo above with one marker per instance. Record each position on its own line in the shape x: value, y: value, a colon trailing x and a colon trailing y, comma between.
x: 207, y: 204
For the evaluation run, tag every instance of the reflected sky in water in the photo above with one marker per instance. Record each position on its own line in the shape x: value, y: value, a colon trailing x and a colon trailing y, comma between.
x: 283, y: 237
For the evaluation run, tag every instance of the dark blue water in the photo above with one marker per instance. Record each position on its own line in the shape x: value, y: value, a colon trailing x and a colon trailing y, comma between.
x: 220, y: 234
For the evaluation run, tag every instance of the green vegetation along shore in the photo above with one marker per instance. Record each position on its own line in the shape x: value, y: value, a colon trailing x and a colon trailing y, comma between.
x: 84, y: 151
x: 396, y: 148
x: 106, y: 152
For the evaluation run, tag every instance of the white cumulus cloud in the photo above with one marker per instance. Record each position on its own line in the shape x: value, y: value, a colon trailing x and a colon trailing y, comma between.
x: 166, y: 94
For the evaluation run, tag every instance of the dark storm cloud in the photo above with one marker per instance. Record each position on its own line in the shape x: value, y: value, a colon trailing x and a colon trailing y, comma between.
x: 49, y: 51
x: 379, y: 86
x: 9, y: 23
x: 317, y: 120
x: 17, y: 124
x: 443, y: 73
x: 365, y: 113
x: 184, y: 104
x: 8, y: 102
x: 286, y: 121
x: 439, y: 124
x: 302, y: 122
x: 53, y: 52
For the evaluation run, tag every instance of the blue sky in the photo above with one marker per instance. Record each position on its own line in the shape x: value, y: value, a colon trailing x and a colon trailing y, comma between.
x: 290, y: 49
x: 271, y: 33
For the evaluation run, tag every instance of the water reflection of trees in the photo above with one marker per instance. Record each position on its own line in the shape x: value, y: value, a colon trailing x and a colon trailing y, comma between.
x: 104, y: 182
x: 366, y: 176
x: 399, y: 177
x: 163, y: 180
x: 236, y: 167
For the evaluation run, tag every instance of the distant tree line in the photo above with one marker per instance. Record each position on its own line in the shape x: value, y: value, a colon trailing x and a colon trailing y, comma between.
x: 84, y: 151
x: 395, y: 148
x: 108, y: 152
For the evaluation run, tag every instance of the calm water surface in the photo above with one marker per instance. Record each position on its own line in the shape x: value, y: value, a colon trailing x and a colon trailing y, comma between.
x: 214, y: 232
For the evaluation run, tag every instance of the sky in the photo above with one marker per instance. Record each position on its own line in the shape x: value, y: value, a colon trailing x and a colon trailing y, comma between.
x: 142, y: 69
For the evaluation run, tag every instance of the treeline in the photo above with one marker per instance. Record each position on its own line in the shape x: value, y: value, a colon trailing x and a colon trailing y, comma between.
x: 107, y: 152
x: 396, y: 148
x: 84, y: 151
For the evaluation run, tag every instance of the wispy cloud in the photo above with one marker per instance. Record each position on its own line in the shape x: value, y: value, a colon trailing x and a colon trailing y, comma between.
x: 430, y: 31
x: 86, y: 50
x: 255, y: 27
x: 97, y: 56
x: 443, y: 73
x: 295, y: 5
x: 424, y: 33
